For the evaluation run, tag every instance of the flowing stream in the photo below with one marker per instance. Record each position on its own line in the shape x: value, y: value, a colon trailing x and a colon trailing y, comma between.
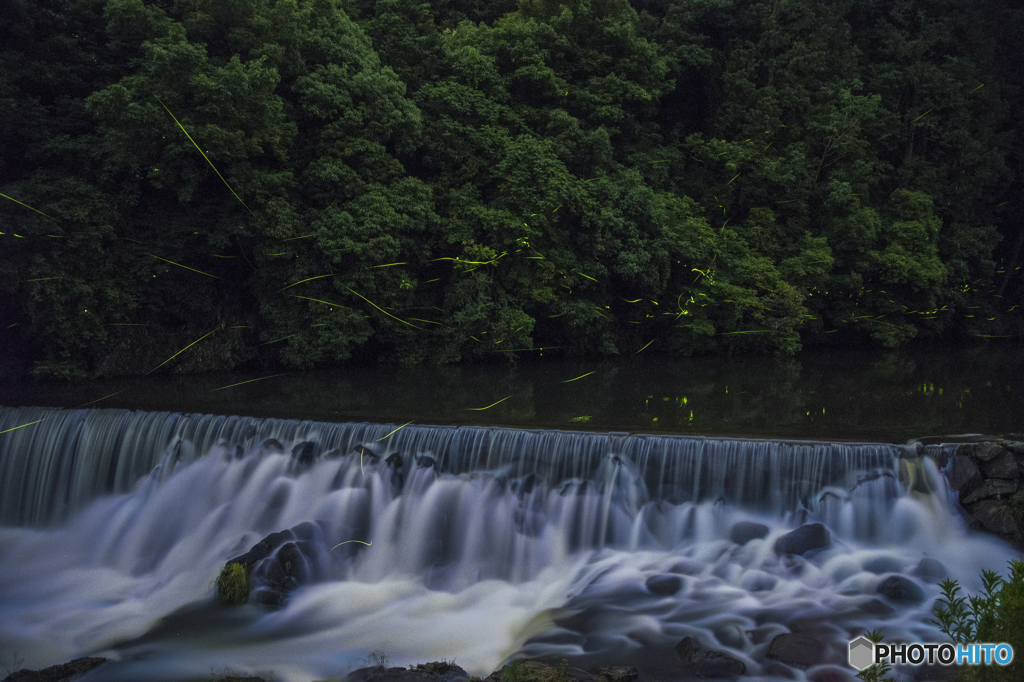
x: 477, y: 544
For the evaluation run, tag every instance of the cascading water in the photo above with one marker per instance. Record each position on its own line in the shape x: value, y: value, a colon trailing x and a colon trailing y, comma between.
x: 482, y: 544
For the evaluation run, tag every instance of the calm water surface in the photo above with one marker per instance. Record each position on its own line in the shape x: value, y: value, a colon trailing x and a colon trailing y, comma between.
x: 834, y: 395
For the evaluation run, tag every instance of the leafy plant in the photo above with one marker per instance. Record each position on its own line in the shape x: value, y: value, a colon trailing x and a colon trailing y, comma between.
x: 997, y: 616
x: 515, y: 672
x: 878, y: 671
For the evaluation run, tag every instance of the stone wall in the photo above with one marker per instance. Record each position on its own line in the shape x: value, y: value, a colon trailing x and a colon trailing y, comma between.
x: 989, y: 476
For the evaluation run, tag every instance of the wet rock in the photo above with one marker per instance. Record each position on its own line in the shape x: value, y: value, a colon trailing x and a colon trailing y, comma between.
x: 427, y: 672
x: 876, y: 607
x: 804, y: 539
x: 797, y: 649
x: 962, y: 471
x: 1003, y: 466
x: 394, y: 462
x: 744, y: 531
x: 986, y: 452
x: 687, y: 567
x: 64, y: 672
x: 993, y: 487
x: 664, y: 584
x: 931, y: 570
x: 281, y: 562
x: 995, y: 515
x: 305, y: 453
x: 284, y: 570
x: 703, y: 662
x: 901, y: 589
x: 617, y: 673
x: 272, y: 445
x: 831, y: 674
x: 426, y: 462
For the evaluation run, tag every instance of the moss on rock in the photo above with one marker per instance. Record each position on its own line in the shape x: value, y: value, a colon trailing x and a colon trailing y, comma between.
x: 233, y: 584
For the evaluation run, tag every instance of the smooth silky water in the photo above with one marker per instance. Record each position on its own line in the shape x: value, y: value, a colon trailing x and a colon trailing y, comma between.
x: 485, y: 546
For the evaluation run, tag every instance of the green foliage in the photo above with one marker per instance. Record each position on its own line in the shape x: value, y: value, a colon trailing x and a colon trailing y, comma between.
x: 348, y: 180
x: 877, y: 672
x: 515, y: 672
x: 996, y: 616
x: 233, y: 584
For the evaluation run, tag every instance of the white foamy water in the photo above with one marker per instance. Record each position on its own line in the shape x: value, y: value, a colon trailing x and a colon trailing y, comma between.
x: 482, y: 562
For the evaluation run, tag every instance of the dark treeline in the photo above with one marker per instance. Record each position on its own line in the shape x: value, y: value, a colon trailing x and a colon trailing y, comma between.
x: 311, y: 181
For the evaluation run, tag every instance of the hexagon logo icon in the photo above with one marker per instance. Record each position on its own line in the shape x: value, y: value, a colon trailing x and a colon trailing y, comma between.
x: 862, y: 653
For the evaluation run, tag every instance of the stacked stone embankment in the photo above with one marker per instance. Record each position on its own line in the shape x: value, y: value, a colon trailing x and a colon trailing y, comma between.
x: 989, y: 477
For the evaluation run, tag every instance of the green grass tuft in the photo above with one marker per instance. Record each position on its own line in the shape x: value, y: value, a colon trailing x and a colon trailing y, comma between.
x: 233, y: 584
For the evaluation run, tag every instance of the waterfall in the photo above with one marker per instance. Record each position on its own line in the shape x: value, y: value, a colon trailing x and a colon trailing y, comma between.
x: 478, y: 544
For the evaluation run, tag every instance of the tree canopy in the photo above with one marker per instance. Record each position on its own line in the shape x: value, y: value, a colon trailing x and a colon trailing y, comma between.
x: 307, y: 182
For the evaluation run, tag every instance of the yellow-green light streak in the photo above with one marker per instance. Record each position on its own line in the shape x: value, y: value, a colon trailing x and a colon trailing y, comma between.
x: 26, y: 206
x: 180, y: 352
x: 103, y: 398
x: 249, y: 381
x: 477, y: 409
x: 184, y: 266
x: 578, y: 378
x: 24, y: 425
x: 306, y: 280
x: 207, y: 159
x: 382, y: 438
x: 384, y: 311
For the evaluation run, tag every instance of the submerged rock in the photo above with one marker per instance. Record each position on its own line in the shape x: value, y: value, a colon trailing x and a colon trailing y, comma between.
x: 797, y: 649
x: 930, y: 570
x: 901, y: 589
x: 703, y: 662
x: 305, y: 453
x: 804, y: 539
x: 664, y: 584
x: 744, y: 531
x: 278, y: 563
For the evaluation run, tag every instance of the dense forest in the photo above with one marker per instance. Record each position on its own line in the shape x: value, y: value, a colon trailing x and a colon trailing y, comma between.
x: 300, y: 183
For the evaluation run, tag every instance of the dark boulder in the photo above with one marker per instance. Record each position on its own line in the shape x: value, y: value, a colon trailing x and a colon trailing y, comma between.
x: 812, y: 536
x: 995, y: 516
x: 986, y: 452
x: 281, y: 562
x: 271, y: 445
x: 394, y: 462
x: 744, y: 531
x: 797, y: 649
x: 703, y: 662
x: 305, y: 453
x: 930, y: 570
x: 991, y: 488
x: 1003, y: 466
x: 664, y: 584
x: 901, y: 589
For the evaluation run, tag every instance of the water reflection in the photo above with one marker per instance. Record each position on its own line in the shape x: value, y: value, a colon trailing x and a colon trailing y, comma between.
x: 851, y: 395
